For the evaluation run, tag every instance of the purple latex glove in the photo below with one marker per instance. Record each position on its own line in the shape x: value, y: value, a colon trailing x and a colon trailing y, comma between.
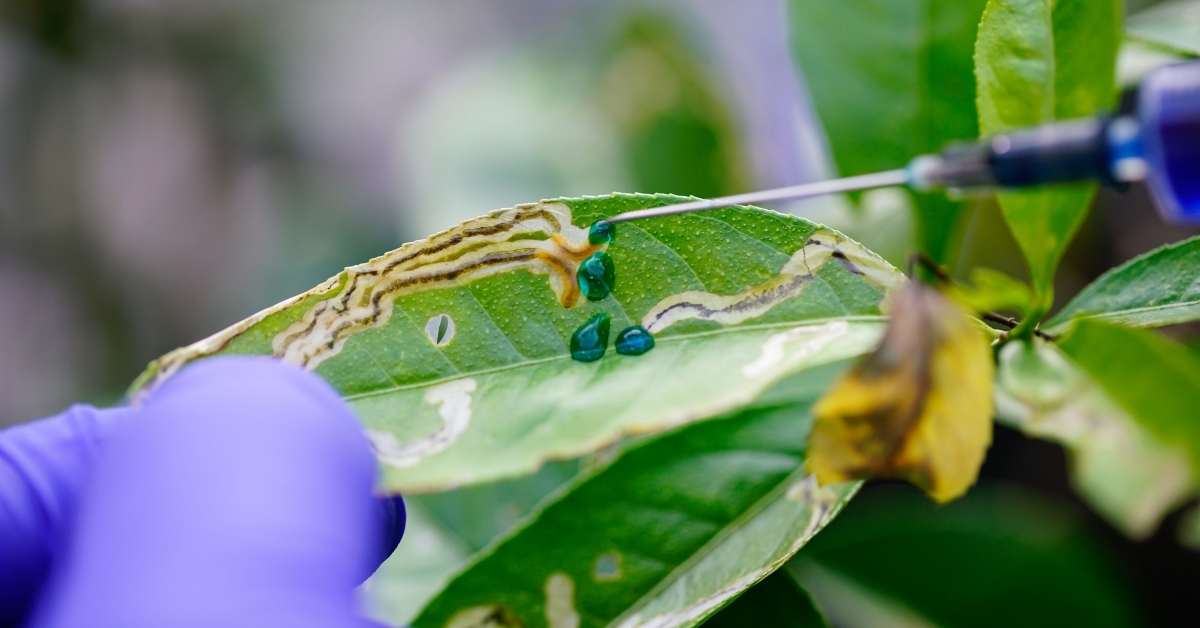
x: 239, y: 493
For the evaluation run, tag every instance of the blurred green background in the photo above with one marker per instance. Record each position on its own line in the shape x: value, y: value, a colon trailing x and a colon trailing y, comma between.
x: 168, y: 167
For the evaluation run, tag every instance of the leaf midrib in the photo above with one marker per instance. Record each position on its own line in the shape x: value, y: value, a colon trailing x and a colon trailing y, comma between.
x: 669, y: 339
x: 1118, y: 314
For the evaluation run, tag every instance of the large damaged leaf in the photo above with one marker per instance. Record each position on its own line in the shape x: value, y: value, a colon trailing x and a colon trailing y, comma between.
x: 454, y: 350
x: 918, y: 408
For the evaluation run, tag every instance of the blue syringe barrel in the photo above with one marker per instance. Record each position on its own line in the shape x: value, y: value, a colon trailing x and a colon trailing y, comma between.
x: 1156, y: 139
x: 1168, y: 113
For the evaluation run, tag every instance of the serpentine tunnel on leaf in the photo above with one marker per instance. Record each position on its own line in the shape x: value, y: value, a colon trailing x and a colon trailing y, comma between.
x: 497, y: 300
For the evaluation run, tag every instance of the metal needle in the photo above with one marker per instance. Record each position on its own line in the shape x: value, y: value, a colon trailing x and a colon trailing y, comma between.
x: 848, y: 184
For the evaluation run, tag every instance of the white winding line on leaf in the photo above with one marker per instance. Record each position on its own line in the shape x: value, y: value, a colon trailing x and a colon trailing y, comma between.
x: 453, y: 400
x: 793, y: 346
x: 560, y: 601
x: 792, y: 279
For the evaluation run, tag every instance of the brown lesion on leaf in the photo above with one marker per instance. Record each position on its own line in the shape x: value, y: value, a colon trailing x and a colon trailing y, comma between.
x: 918, y: 408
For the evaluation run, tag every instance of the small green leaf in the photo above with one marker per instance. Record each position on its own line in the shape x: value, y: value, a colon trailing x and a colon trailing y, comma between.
x: 667, y: 533
x: 1036, y: 62
x: 737, y: 299
x: 779, y: 601
x: 1172, y: 25
x: 891, y: 80
x: 1154, y: 289
x: 991, y: 290
x: 1154, y: 380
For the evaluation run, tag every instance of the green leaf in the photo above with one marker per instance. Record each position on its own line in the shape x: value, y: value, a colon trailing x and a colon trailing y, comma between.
x: 891, y: 80
x: 778, y: 601
x: 992, y: 290
x: 739, y: 298
x: 666, y: 534
x: 1154, y: 289
x: 1154, y: 380
x: 676, y: 132
x: 994, y: 558
x: 1174, y: 26
x: 1037, y: 61
x: 1128, y: 475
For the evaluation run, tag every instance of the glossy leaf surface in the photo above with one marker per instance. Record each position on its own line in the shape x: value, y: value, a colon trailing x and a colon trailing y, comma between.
x: 1158, y: 288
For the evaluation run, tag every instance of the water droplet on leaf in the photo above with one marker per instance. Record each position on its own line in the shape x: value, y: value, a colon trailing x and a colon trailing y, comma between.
x: 591, y: 339
x: 596, y: 276
x: 634, y: 341
x: 602, y: 232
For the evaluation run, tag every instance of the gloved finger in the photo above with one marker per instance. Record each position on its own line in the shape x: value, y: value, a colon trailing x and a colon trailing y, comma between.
x: 242, y: 495
x: 42, y: 465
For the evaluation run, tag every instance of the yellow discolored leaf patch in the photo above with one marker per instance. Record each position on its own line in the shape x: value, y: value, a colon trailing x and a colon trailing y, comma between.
x: 918, y: 408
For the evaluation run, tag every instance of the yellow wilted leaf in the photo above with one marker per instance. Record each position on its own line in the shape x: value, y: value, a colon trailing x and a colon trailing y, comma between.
x: 918, y: 408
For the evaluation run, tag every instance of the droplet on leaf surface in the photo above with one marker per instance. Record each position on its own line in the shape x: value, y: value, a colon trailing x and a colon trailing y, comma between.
x: 918, y: 408
x: 591, y: 339
x: 602, y: 232
x: 634, y: 341
x: 596, y: 276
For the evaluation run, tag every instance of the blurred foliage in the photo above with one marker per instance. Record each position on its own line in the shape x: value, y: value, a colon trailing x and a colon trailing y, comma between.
x: 892, y: 80
x: 1128, y: 475
x: 1173, y: 25
x: 677, y: 134
x: 994, y: 558
x: 1037, y: 63
x: 167, y: 167
x: 778, y: 601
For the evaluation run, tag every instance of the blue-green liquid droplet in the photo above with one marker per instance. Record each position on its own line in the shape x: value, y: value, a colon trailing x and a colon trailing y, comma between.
x: 634, y: 341
x: 602, y: 232
x: 591, y: 339
x: 596, y: 276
